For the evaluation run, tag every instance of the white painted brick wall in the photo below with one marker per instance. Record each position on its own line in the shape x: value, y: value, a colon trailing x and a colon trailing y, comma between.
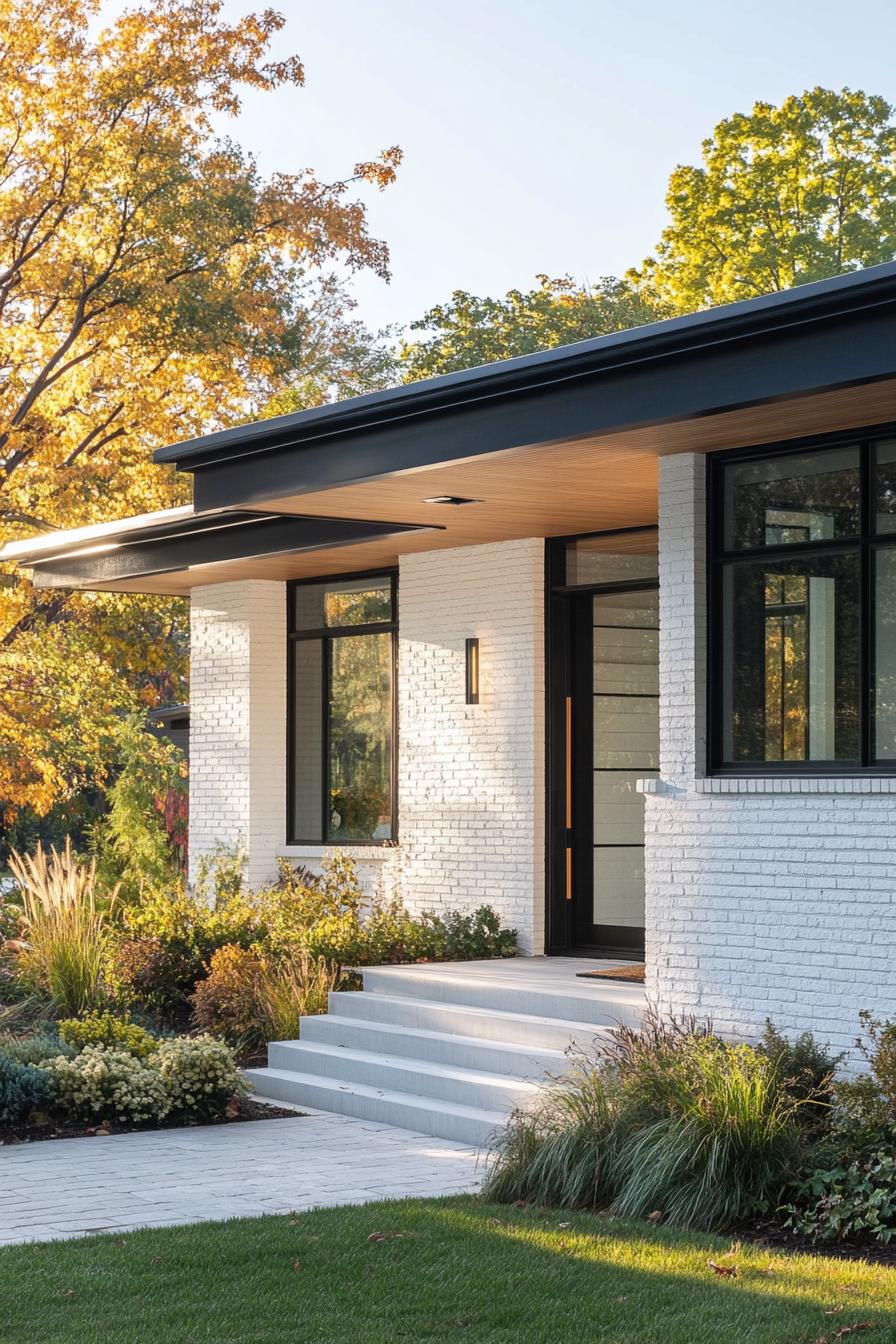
x: 238, y: 722
x: 764, y: 898
x: 471, y: 777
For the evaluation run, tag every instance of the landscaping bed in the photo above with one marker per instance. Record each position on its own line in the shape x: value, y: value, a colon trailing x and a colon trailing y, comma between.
x: 128, y: 1005
x: 435, y: 1270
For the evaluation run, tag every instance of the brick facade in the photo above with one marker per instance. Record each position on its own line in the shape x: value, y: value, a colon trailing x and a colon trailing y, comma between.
x: 470, y: 777
x: 765, y: 897
x: 238, y: 722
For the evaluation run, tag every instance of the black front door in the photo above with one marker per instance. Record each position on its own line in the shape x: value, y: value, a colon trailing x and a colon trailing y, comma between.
x: 611, y: 731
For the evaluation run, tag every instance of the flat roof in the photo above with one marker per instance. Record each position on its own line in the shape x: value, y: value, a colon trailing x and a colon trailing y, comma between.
x: 799, y: 305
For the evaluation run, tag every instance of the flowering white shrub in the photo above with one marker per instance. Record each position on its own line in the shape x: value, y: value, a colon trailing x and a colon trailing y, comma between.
x: 199, y: 1074
x: 108, y: 1084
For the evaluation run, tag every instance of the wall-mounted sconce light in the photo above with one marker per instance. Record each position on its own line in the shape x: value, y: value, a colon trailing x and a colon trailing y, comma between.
x: 472, y: 671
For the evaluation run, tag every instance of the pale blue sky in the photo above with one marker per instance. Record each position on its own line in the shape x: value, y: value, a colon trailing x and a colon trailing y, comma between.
x: 537, y: 137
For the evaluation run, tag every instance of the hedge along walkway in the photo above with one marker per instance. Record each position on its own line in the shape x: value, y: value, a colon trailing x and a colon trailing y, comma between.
x: 67, y: 1187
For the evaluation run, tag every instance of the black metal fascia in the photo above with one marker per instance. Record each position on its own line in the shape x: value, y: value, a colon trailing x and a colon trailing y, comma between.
x: 247, y: 536
x: 767, y: 317
x: 854, y: 347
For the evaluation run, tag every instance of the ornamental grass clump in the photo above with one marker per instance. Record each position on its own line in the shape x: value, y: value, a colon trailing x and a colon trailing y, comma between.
x: 724, y: 1147
x: 670, y: 1120
x: 65, y: 928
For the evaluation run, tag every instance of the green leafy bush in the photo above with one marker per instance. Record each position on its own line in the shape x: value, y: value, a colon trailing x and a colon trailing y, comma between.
x: 199, y: 1076
x: 109, y: 1084
x: 855, y: 1201
x: 880, y: 1051
x: 106, y: 1029
x: 34, y: 1049
x: 166, y: 945
x: 23, y: 1089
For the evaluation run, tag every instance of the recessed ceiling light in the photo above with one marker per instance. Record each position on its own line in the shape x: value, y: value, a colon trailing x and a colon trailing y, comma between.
x: 450, y: 499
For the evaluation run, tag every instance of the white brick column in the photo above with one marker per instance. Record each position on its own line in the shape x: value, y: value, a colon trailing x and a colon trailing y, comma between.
x: 471, y: 777
x: 238, y: 722
x: 682, y: 563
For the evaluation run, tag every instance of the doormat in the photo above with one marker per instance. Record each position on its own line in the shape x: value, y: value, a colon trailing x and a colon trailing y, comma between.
x: 635, y: 973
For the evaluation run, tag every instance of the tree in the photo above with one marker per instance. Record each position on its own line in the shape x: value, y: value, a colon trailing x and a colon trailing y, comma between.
x: 785, y: 195
x: 153, y: 286
x: 469, y: 331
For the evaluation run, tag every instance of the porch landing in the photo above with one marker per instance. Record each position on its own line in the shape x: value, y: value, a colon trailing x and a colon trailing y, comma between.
x: 447, y: 1049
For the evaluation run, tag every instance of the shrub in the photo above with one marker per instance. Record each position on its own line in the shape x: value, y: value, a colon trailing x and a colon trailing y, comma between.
x: 23, y: 1089
x: 199, y: 1076
x: 479, y: 935
x: 35, y: 1049
x: 65, y: 931
x: 250, y: 998
x: 880, y: 1051
x: 135, y: 845
x: 167, y: 944
x: 109, y: 1084
x: 806, y: 1070
x: 855, y: 1200
x: 106, y: 1029
x: 226, y: 1001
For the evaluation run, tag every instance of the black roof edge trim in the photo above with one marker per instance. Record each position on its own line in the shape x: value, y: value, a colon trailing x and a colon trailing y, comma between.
x: 838, y: 296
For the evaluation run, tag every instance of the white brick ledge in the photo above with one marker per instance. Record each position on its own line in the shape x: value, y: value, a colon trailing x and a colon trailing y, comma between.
x: 314, y: 854
x: 795, y: 784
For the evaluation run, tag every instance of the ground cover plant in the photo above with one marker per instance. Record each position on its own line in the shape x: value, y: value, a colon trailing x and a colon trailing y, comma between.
x: 437, y: 1270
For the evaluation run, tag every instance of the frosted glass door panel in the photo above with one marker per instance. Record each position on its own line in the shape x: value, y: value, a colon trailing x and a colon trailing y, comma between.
x: 626, y: 749
x: 618, y: 807
x: 626, y: 732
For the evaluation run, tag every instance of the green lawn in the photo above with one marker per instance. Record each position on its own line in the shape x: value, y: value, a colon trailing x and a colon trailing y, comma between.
x: 459, y: 1270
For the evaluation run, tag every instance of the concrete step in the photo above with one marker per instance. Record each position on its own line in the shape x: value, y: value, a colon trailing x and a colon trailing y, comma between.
x: 425, y: 1115
x: 438, y: 1047
x: 465, y: 1087
x: 603, y: 1003
x: 494, y: 1025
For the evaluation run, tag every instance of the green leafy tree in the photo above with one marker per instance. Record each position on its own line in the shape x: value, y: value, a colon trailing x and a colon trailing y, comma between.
x: 785, y: 195
x: 469, y: 331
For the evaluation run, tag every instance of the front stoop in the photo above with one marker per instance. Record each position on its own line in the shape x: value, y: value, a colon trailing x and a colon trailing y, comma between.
x: 447, y: 1050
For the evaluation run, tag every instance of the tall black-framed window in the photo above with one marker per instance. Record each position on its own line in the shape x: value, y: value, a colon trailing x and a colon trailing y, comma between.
x: 803, y: 607
x: 342, y: 635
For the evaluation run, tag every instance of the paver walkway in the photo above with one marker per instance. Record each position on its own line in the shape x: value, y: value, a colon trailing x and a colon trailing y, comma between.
x: 67, y: 1187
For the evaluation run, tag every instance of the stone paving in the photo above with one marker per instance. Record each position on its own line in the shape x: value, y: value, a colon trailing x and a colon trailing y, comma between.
x: 69, y: 1187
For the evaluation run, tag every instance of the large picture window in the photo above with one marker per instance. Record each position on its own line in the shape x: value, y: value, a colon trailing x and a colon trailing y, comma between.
x: 804, y: 608
x: 342, y: 635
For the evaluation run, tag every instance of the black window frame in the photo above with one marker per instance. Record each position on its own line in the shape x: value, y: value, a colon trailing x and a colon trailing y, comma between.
x: 864, y: 545
x: 325, y: 635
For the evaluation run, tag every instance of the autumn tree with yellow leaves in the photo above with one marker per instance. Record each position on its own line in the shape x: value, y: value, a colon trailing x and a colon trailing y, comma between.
x: 153, y: 286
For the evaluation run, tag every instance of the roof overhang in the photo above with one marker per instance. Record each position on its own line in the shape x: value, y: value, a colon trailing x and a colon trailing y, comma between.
x: 179, y: 540
x: 832, y: 334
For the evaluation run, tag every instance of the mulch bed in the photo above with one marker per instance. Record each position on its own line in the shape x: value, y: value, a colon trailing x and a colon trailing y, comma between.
x: 245, y: 1109
x: 782, y: 1239
x: 631, y: 973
